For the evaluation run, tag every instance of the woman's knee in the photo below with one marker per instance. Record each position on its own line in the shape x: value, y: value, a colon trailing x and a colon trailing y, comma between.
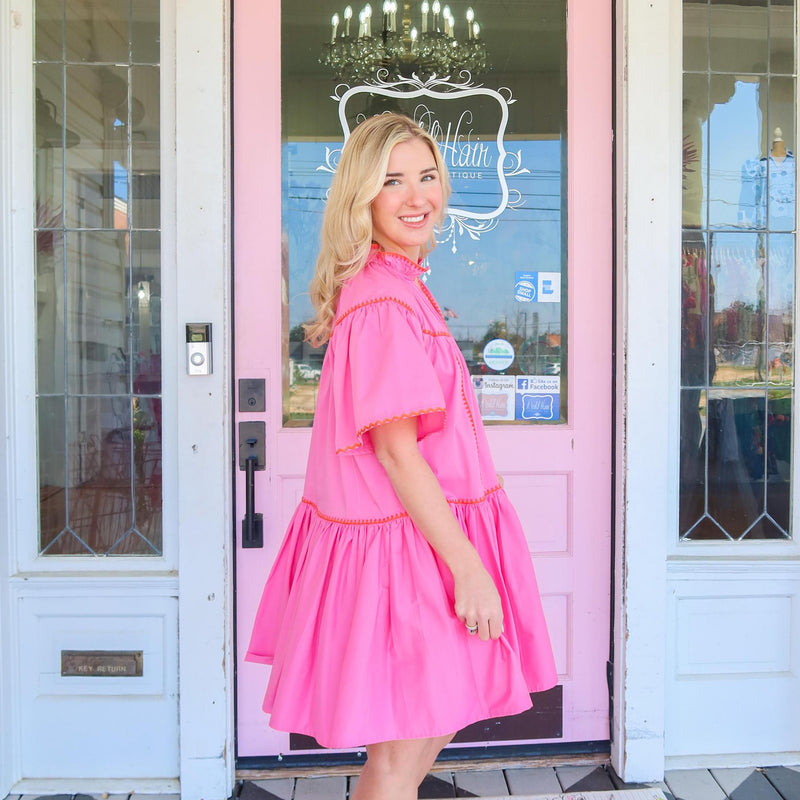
x: 433, y: 748
x: 406, y: 760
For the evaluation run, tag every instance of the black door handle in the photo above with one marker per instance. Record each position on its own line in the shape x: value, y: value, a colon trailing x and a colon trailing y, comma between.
x: 253, y: 522
x: 251, y: 459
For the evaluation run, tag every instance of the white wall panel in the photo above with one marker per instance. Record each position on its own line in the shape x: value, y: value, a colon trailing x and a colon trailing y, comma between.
x: 124, y: 727
x: 733, y: 667
x: 733, y: 635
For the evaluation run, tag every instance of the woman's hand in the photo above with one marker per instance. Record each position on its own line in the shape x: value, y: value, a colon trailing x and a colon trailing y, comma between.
x: 477, y: 601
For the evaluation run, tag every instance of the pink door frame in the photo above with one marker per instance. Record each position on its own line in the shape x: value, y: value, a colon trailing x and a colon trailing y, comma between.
x: 562, y: 484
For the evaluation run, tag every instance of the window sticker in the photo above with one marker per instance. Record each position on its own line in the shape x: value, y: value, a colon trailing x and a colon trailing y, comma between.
x: 537, y: 287
x: 498, y: 354
x: 537, y: 397
x: 496, y: 396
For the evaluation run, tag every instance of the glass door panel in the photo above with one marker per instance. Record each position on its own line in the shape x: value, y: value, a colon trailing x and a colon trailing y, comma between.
x: 499, y: 272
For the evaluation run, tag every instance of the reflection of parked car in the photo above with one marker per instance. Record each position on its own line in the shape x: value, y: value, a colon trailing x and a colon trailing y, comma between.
x: 552, y: 369
x: 307, y: 373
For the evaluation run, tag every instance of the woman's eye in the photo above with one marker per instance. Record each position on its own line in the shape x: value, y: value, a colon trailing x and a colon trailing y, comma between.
x: 391, y: 182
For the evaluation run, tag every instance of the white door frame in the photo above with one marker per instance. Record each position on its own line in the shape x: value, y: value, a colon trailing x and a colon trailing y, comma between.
x: 648, y: 128
x: 197, y: 496
x: 203, y: 236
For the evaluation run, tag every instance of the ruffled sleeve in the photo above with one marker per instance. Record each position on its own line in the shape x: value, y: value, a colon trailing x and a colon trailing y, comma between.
x: 382, y: 373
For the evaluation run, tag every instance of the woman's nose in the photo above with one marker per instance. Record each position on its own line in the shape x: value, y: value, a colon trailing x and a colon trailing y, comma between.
x: 415, y: 195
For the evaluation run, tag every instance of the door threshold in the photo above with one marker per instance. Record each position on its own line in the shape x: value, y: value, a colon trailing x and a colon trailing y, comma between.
x: 441, y: 765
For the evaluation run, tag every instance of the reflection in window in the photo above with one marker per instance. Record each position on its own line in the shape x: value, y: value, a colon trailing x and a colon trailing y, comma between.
x: 98, y: 277
x: 499, y: 272
x: 737, y: 270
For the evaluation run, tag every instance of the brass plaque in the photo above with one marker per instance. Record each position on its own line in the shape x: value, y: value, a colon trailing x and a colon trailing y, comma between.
x: 102, y: 663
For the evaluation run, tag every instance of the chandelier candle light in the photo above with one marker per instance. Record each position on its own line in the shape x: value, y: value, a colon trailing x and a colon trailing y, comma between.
x: 403, y: 50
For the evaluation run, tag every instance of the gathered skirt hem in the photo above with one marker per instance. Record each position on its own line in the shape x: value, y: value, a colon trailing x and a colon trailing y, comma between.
x: 358, y: 624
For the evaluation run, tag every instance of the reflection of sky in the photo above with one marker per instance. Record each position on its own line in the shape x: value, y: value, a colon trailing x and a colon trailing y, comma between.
x: 738, y: 194
x: 734, y: 130
x: 120, y: 181
x: 474, y: 277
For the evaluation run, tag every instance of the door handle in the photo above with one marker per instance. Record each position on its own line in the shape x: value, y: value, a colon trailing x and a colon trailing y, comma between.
x: 251, y: 459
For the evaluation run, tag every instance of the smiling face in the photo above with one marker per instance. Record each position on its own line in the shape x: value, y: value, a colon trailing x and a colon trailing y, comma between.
x: 410, y: 202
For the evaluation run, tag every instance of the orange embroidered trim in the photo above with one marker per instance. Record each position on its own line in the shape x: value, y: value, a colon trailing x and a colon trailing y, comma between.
x: 427, y: 292
x: 469, y: 411
x: 376, y: 248
x: 375, y: 300
x: 396, y: 417
x: 341, y: 521
x: 478, y: 499
x: 399, y: 515
x: 389, y: 300
x: 436, y: 333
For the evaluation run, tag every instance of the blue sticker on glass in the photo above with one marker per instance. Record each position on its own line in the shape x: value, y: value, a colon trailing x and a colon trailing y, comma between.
x: 537, y: 287
x: 537, y: 397
x: 525, y: 287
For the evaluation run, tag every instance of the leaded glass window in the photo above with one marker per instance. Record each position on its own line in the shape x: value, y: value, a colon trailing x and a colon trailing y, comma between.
x: 737, y: 269
x: 98, y: 276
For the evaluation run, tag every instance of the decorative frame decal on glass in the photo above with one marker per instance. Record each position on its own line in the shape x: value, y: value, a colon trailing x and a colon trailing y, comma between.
x: 499, y: 272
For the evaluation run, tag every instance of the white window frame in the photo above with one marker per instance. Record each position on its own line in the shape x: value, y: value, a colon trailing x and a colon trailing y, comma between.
x: 20, y: 323
x: 724, y: 549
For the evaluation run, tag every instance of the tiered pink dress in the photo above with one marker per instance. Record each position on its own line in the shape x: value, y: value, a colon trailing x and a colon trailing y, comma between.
x: 357, y: 614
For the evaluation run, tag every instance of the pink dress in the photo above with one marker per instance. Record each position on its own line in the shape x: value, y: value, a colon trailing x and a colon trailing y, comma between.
x: 357, y: 614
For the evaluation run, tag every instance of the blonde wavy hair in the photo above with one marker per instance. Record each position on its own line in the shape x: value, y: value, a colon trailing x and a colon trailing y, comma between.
x: 346, y: 235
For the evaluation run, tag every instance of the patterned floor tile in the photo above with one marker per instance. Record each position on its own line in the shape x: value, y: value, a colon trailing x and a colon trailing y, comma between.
x: 584, y: 779
x: 480, y: 784
x: 538, y: 780
x: 786, y: 780
x: 330, y: 788
x: 438, y: 784
x: 745, y: 784
x: 693, y: 784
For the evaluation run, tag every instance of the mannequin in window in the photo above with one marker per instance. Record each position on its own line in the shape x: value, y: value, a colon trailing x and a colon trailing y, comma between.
x: 769, y: 181
x: 778, y: 150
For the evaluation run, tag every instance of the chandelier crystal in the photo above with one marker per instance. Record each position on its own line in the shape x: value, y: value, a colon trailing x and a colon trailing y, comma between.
x: 355, y: 53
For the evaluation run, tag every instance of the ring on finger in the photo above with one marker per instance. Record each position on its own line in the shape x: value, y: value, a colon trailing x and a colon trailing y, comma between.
x: 472, y: 629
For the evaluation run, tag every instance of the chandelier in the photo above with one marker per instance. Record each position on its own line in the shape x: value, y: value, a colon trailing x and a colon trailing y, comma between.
x: 359, y: 50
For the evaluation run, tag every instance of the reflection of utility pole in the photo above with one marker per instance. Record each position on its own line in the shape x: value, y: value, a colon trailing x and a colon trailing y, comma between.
x: 535, y: 335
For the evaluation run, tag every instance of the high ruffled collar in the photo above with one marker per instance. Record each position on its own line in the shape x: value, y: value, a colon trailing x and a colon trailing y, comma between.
x: 397, y: 263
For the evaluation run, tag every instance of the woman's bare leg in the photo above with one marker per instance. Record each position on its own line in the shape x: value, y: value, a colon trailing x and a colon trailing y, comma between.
x: 394, y: 770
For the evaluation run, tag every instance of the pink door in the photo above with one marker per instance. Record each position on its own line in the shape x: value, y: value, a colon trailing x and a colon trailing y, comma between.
x: 523, y: 273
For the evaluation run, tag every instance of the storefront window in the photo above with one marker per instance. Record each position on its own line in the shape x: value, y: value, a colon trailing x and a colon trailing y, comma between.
x: 737, y: 269
x: 98, y: 276
x: 489, y: 83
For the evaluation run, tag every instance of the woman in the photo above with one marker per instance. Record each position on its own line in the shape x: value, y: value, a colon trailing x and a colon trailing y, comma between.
x: 402, y: 605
